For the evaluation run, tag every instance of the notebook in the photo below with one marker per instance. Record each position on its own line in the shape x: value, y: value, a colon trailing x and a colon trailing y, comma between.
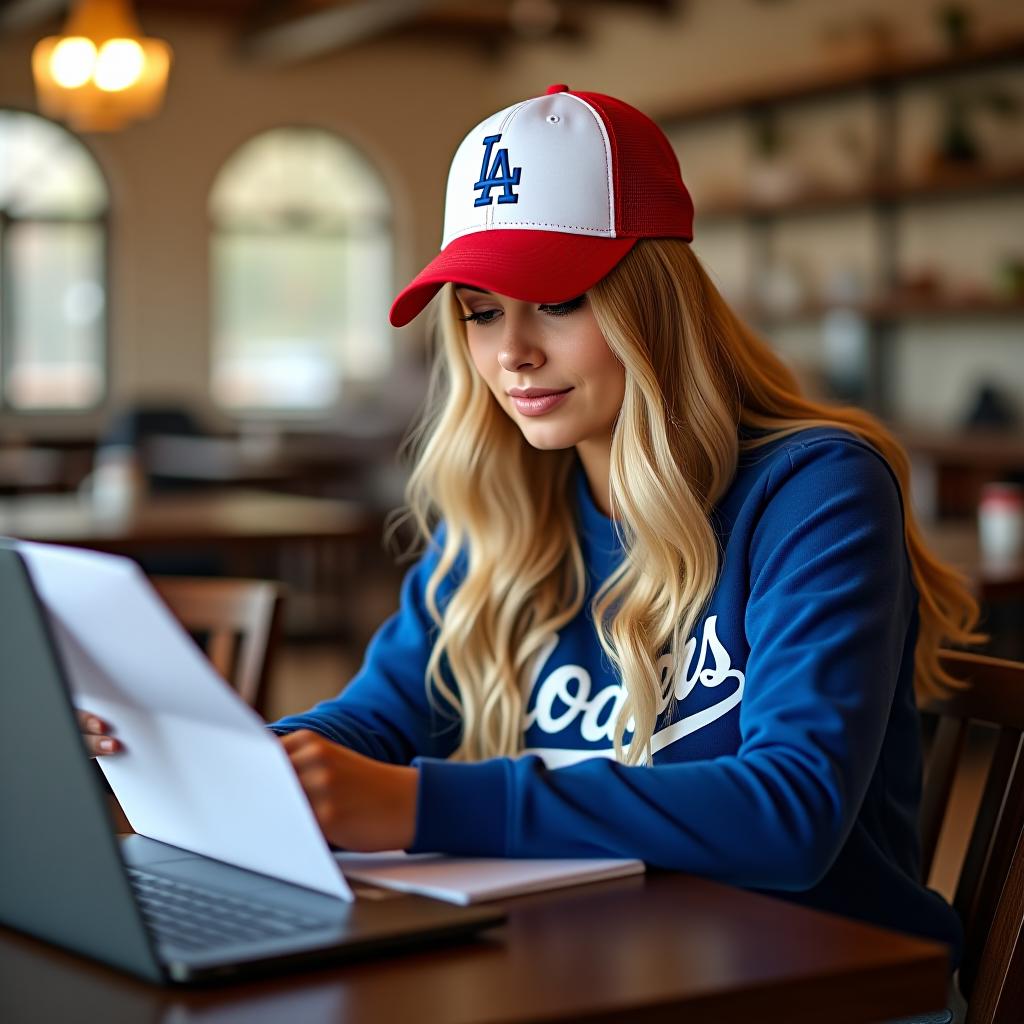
x: 466, y: 880
x: 161, y: 910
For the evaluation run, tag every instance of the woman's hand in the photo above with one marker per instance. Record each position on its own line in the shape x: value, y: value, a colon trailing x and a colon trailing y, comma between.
x: 96, y: 734
x: 361, y: 804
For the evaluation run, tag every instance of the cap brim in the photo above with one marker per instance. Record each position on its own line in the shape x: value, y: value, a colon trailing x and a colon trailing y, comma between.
x: 532, y: 266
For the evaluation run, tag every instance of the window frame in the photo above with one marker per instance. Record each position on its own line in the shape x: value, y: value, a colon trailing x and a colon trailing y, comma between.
x: 381, y: 227
x: 9, y: 300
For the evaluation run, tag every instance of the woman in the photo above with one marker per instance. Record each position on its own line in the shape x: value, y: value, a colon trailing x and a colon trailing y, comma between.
x: 670, y: 609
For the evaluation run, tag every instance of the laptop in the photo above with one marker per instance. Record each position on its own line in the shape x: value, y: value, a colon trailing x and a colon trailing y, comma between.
x: 158, y: 911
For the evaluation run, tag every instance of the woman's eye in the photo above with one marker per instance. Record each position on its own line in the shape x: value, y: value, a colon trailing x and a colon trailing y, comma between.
x: 487, y: 316
x: 565, y: 308
x: 483, y: 317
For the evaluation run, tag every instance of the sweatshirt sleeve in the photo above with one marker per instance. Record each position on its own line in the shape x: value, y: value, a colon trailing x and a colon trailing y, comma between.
x: 384, y: 712
x: 828, y: 615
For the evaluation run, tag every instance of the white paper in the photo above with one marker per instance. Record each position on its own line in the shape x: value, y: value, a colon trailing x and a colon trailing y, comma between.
x: 466, y: 880
x: 200, y: 770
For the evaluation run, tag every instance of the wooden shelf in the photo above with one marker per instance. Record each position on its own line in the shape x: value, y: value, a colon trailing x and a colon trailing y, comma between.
x: 892, y: 309
x: 849, y: 78
x: 908, y: 306
x: 950, y: 184
x: 880, y: 79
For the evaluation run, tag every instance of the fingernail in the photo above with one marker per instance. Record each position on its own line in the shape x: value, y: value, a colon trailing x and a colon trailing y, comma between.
x: 96, y: 725
x: 106, y: 744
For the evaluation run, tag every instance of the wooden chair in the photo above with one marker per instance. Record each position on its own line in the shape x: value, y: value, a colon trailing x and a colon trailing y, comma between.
x: 990, y: 889
x: 236, y: 621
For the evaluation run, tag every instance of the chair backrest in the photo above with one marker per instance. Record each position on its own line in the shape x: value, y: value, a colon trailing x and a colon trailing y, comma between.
x: 989, y: 894
x: 236, y: 621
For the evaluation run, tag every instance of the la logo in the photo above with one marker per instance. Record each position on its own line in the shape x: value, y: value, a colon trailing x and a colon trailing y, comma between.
x: 499, y: 174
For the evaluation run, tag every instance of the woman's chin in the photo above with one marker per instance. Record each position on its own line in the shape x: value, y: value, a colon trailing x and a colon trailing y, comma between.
x: 547, y: 439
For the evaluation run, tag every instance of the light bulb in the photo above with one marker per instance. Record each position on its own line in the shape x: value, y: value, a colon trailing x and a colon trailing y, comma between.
x: 119, y: 65
x: 72, y: 61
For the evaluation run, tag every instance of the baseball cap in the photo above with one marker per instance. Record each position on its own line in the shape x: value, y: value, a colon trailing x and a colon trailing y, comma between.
x: 546, y: 196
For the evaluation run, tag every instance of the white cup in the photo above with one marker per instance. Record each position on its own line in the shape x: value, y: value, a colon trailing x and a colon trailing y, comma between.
x: 1001, y: 522
x: 117, y: 483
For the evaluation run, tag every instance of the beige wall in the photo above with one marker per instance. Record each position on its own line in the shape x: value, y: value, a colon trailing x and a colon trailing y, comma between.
x: 408, y: 104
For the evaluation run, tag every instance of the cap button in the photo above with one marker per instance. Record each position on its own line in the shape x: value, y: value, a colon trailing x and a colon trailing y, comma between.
x: 556, y: 88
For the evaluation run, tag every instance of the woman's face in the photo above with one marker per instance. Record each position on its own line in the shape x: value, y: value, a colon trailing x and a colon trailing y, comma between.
x: 522, y: 347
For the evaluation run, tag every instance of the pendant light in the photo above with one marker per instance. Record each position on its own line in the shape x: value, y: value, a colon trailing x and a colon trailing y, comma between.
x: 101, y: 73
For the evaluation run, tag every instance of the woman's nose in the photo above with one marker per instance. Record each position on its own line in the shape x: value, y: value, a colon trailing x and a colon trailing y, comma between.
x: 517, y: 353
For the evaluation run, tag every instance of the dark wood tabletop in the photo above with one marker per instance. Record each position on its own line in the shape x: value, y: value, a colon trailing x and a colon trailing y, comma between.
x: 956, y: 542
x: 656, y: 948
x: 221, y: 517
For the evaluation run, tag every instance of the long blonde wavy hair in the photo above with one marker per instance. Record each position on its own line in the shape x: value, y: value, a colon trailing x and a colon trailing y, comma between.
x: 694, y: 374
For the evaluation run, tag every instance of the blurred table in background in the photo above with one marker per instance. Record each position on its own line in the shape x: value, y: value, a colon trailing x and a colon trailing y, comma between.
x: 328, y: 464
x: 25, y: 468
x: 320, y: 463
x: 235, y: 518
x: 311, y: 543
x: 215, y: 460
x: 950, y: 467
x: 999, y: 586
x: 956, y: 542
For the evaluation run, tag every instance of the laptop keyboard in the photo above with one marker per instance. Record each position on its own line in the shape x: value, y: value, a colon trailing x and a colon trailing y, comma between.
x: 195, y: 918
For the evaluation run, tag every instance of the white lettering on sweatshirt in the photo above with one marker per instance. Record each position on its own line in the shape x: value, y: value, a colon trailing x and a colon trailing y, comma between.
x: 571, y: 685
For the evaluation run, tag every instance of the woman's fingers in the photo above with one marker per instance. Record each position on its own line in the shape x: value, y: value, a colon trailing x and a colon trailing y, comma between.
x: 316, y: 780
x: 88, y: 722
x: 358, y: 802
x: 96, y: 734
x: 98, y: 746
x: 306, y: 748
x: 300, y: 739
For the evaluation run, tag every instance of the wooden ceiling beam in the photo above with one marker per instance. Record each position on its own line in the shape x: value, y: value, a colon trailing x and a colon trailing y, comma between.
x: 462, y: 19
x: 299, y: 31
x: 22, y: 14
x: 288, y: 31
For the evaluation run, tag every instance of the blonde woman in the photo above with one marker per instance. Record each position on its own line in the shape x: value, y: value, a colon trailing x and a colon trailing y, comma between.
x: 667, y: 607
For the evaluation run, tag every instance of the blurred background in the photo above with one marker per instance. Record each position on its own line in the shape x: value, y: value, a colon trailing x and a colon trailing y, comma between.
x: 199, y: 244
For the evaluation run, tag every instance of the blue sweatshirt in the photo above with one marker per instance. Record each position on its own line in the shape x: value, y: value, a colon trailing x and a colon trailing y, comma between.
x: 790, y: 761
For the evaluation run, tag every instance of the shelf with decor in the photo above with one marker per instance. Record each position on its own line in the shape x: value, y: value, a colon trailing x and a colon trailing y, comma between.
x: 895, y: 307
x: 952, y: 184
x: 881, y: 71
x: 956, y: 169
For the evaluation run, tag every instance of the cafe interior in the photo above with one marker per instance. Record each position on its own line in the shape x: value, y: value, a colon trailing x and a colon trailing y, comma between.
x: 198, y: 255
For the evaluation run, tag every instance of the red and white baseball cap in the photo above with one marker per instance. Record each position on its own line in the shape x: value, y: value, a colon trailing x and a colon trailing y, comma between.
x: 546, y: 196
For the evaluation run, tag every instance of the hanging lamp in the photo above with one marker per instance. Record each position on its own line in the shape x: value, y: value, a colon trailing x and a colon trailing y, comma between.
x: 101, y: 73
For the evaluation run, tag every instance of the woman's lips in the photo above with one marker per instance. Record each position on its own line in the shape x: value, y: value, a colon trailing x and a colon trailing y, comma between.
x: 541, y: 405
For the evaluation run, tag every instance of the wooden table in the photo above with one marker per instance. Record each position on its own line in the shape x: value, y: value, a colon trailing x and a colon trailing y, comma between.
x: 26, y: 468
x: 660, y: 948
x: 956, y: 542
x: 312, y: 544
x: 259, y: 461
x: 950, y: 467
x: 243, y: 518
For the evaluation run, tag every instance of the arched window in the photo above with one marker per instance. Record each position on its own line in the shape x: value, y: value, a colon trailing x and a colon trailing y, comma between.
x: 53, y: 257
x: 301, y: 267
